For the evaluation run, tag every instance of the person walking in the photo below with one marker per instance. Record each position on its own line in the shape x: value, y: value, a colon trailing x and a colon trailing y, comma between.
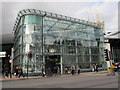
x: 73, y: 69
x: 113, y: 69
x: 54, y: 71
x: 20, y: 72
x: 93, y: 67
x: 66, y: 70
x: 96, y: 67
x: 16, y: 71
x: 6, y: 72
x: 43, y: 72
x: 57, y: 70
x: 78, y: 70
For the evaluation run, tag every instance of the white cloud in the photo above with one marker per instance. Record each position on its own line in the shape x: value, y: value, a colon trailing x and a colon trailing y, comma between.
x: 108, y: 10
x: 60, y: 0
x: 77, y: 9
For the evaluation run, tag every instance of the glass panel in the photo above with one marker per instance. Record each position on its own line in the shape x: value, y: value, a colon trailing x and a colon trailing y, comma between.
x: 81, y: 65
x: 94, y: 50
x: 38, y: 63
x: 80, y: 58
x: 29, y: 29
x: 79, y: 43
x: 68, y: 60
x: 69, y: 49
x: 86, y: 51
x: 52, y: 40
x: 87, y: 65
x: 95, y: 58
x: 86, y: 43
x: 26, y: 20
x: 52, y: 49
x: 86, y: 58
x: 33, y: 19
x: 80, y: 50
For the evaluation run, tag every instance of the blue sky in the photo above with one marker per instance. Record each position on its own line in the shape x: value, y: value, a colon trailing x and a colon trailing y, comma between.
x: 93, y: 3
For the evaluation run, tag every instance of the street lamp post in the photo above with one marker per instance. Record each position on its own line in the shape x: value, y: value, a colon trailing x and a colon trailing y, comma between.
x: 42, y: 44
x: 30, y: 57
x: 27, y: 65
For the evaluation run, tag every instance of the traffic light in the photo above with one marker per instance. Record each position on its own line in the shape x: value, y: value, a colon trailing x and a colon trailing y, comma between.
x: 30, y: 55
x: 106, y: 55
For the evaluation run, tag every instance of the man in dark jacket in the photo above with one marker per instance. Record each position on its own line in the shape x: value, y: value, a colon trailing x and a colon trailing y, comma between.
x: 16, y: 71
x: 20, y: 72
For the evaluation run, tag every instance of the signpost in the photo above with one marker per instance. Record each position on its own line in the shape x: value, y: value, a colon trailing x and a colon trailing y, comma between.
x: 29, y: 57
x: 10, y: 61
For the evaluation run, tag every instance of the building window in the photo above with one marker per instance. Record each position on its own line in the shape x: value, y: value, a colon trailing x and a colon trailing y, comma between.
x: 33, y: 19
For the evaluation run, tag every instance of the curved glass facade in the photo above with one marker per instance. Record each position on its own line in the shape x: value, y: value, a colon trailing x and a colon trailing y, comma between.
x: 73, y: 43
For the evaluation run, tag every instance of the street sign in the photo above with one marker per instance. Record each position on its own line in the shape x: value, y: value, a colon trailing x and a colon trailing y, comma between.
x: 106, y: 55
x: 2, y: 54
x: 10, y: 57
x: 10, y: 61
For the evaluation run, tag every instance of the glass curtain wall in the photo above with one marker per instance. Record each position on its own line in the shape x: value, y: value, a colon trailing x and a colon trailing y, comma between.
x: 77, y: 44
x: 28, y: 38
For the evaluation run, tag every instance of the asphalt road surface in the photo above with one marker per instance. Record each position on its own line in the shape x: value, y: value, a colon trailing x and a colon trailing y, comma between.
x: 81, y: 81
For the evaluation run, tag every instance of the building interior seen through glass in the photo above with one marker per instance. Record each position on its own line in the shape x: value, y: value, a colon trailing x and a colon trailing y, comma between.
x: 54, y: 42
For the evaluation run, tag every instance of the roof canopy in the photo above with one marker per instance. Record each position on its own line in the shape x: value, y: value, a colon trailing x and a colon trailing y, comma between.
x: 52, y: 15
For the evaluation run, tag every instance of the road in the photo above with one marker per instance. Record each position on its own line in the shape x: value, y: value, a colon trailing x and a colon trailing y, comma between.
x: 81, y: 81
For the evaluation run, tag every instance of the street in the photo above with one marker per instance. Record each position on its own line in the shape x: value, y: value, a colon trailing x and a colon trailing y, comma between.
x: 66, y: 81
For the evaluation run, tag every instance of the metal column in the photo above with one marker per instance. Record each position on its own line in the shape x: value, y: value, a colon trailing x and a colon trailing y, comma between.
x: 76, y: 56
x: 43, y: 57
x: 42, y: 47
x: 61, y: 57
x: 90, y: 57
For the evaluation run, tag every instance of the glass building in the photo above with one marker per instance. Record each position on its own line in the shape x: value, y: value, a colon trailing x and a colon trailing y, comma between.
x: 56, y: 40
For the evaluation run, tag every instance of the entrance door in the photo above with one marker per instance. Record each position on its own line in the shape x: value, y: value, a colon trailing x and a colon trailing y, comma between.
x: 52, y: 65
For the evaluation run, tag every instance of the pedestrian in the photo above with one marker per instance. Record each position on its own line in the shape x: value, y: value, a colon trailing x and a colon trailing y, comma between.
x: 20, y: 72
x: 54, y: 71
x: 69, y: 70
x: 6, y: 72
x: 79, y: 70
x: 93, y: 68
x: 73, y: 69
x: 66, y: 70
x: 113, y: 69
x: 58, y: 70
x: 16, y: 71
x: 96, y: 67
x: 49, y: 71
x: 43, y: 72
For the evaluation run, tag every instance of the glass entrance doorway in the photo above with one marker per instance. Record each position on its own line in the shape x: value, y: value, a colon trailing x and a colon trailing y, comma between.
x: 52, y: 65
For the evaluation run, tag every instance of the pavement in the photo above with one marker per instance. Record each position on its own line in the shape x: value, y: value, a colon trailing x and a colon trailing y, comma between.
x: 38, y: 77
